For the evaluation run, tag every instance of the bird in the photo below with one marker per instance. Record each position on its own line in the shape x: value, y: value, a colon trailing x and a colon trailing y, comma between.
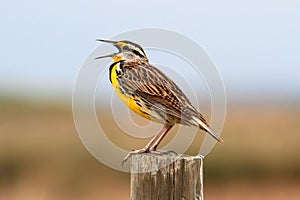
x: 150, y: 93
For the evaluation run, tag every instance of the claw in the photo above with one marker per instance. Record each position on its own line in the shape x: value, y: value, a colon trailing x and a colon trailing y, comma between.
x: 132, y: 153
x: 171, y: 152
x: 125, y: 159
x: 140, y: 151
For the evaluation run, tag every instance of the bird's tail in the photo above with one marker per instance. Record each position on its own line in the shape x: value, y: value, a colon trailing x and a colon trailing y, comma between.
x: 205, y: 127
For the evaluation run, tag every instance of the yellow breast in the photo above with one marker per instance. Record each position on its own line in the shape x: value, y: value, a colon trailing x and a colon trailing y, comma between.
x: 127, y: 99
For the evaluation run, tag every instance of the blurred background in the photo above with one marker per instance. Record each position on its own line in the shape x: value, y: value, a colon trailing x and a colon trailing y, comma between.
x: 254, y: 44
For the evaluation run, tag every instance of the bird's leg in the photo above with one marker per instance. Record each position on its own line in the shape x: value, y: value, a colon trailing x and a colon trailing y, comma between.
x: 158, y: 138
x: 152, y: 145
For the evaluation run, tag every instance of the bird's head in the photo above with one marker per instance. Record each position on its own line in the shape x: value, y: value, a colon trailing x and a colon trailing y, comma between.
x: 128, y: 51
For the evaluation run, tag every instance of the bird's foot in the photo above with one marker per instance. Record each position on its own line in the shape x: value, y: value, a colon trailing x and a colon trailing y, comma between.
x: 140, y: 151
x: 133, y: 152
x: 164, y: 152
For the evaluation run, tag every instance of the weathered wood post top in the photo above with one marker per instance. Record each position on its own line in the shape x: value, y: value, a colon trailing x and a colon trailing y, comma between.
x: 166, y: 177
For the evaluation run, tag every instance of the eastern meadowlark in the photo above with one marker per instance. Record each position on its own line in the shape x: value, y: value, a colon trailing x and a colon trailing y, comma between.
x: 150, y: 93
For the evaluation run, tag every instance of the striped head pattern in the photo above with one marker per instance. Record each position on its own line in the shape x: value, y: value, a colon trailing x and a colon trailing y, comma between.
x: 128, y: 51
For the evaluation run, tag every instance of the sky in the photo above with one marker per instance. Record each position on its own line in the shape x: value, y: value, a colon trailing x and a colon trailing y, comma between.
x: 254, y: 44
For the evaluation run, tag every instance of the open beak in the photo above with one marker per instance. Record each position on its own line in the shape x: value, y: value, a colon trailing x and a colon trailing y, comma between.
x: 111, y: 42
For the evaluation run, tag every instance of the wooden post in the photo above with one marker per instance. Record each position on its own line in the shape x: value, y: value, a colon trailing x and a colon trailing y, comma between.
x: 166, y: 177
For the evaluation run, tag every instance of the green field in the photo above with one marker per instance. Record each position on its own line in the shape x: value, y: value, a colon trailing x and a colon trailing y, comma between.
x: 41, y: 156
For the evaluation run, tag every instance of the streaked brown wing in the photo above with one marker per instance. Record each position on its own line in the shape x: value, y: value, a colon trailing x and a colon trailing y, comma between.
x: 155, y: 88
x: 162, y: 105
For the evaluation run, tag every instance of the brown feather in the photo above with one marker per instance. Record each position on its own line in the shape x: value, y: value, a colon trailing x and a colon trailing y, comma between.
x: 147, y: 83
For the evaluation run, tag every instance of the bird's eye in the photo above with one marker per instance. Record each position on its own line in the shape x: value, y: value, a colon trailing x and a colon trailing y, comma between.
x: 126, y: 48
